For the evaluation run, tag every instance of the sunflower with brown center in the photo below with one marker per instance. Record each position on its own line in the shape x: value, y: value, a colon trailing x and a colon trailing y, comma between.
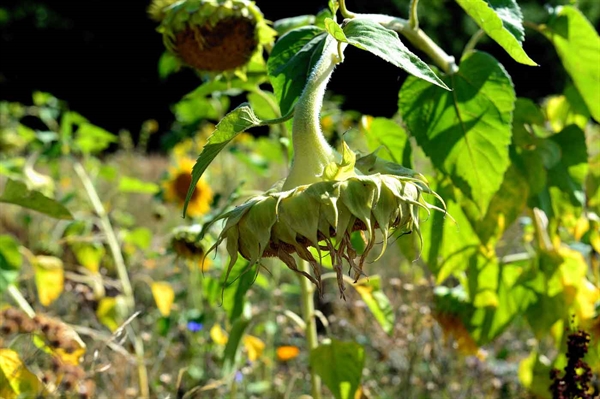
x: 212, y: 35
x: 175, y: 189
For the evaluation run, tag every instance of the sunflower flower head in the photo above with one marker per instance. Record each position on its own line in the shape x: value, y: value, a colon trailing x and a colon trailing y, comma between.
x: 175, y: 189
x: 212, y: 36
x: 323, y: 215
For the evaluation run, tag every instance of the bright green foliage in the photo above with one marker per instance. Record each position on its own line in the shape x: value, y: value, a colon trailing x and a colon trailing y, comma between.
x: 133, y: 185
x: 390, y: 139
x: 385, y: 43
x: 231, y: 125
x: 291, y: 61
x: 378, y: 303
x: 91, y: 139
x: 17, y: 193
x: 465, y: 132
x: 502, y: 21
x: 335, y: 30
x: 10, y: 261
x: 340, y: 365
x: 578, y: 46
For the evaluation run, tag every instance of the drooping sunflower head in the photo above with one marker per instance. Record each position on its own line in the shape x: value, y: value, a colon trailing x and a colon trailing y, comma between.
x: 323, y: 216
x: 212, y: 36
x: 175, y: 189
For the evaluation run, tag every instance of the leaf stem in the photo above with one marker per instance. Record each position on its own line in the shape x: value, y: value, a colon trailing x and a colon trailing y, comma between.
x: 413, y: 18
x: 344, y: 10
x: 473, y: 41
x: 307, y: 290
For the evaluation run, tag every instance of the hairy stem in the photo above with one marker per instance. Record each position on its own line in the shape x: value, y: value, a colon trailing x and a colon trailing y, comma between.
x: 307, y: 290
x: 311, y: 151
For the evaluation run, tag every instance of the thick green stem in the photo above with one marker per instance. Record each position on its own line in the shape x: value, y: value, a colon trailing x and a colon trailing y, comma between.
x: 307, y: 290
x: 311, y: 151
x: 413, y: 19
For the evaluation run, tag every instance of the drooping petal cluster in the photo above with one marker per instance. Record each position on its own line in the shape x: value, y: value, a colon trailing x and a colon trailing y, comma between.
x: 323, y: 216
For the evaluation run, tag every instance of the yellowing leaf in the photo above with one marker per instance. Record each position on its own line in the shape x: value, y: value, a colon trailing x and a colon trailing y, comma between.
x: 15, y: 378
x: 163, y: 296
x: 110, y: 312
x: 218, y: 335
x: 71, y: 357
x: 254, y: 346
x: 49, y: 278
x: 285, y: 353
x: 89, y: 255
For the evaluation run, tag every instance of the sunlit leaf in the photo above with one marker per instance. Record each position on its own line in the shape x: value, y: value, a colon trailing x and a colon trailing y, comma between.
x: 91, y: 139
x: 385, y: 43
x: 567, y: 109
x: 49, y: 278
x: 502, y: 21
x: 133, y: 185
x: 16, y: 381
x: 141, y: 237
x: 466, y: 132
x: 89, y: 255
x: 16, y: 193
x: 264, y: 105
x: 231, y: 125
x: 335, y: 30
x: 534, y: 374
x: 167, y: 65
x: 379, y: 304
x: 254, y: 346
x: 163, y: 296
x: 10, y: 261
x: 340, y: 365
x: 111, y: 311
x: 578, y: 46
x: 290, y: 62
x: 218, y: 335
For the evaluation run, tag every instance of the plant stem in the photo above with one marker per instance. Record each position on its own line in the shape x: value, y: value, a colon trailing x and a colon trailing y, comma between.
x: 111, y: 238
x: 307, y: 290
x: 20, y: 300
x: 344, y: 10
x: 413, y: 18
x: 115, y: 249
x: 311, y: 150
x: 473, y: 41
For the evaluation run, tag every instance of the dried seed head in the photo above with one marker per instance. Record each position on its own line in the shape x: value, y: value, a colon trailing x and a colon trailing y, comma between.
x: 212, y: 35
x: 323, y: 215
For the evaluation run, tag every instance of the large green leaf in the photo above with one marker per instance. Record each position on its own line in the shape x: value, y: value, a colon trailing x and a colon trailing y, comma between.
x: 340, y: 365
x: 17, y: 193
x: 502, y: 21
x: 292, y: 60
x: 385, y: 43
x: 391, y: 138
x: 466, y: 132
x: 379, y: 304
x: 578, y: 46
x: 570, y: 173
x: 10, y: 261
x: 231, y: 125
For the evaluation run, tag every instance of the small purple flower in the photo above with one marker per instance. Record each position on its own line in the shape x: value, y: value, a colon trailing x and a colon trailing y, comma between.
x: 194, y: 326
x: 239, y: 376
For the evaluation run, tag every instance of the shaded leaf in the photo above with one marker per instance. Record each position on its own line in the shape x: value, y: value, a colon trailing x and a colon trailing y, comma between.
x: 578, y: 46
x: 502, y: 21
x: 292, y: 59
x: 231, y: 349
x: 383, y: 132
x: 340, y: 365
x: 10, y: 261
x: 385, y: 43
x: 466, y: 132
x: 283, y: 26
x: 17, y: 193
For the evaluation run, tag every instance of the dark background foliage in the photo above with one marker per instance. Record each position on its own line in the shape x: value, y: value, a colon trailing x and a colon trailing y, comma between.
x: 101, y: 56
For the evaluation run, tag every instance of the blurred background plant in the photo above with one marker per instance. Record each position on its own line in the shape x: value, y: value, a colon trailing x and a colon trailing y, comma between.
x: 125, y: 301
